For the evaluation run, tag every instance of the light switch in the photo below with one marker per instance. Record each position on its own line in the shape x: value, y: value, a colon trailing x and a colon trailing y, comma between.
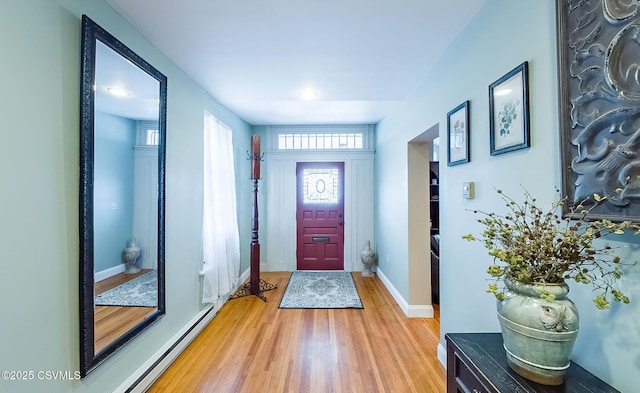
x: 467, y: 190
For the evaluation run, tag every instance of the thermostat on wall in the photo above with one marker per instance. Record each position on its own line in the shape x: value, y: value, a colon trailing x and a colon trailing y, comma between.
x: 467, y: 190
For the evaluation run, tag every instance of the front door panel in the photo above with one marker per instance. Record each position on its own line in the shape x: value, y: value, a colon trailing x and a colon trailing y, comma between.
x: 320, y: 215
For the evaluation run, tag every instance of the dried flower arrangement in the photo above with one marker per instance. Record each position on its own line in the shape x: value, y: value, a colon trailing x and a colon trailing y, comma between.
x: 535, y: 246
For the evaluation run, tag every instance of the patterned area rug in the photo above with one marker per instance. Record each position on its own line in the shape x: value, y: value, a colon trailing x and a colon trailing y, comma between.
x: 326, y: 289
x: 140, y: 292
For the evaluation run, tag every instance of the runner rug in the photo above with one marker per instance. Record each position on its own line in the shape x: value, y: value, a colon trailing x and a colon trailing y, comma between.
x: 140, y: 292
x: 326, y: 289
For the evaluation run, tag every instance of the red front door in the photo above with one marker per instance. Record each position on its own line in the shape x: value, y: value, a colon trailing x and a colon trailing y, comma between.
x: 320, y: 215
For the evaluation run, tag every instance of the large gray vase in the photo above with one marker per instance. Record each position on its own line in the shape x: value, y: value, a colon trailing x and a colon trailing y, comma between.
x: 538, y: 335
x: 368, y: 258
x: 130, y: 256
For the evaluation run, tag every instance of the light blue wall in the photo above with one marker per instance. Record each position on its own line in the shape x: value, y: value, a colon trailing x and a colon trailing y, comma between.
x: 113, y: 188
x: 39, y: 156
x: 504, y: 34
x: 39, y: 159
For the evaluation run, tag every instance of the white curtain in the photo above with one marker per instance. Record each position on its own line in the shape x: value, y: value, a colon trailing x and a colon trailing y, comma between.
x: 220, y: 236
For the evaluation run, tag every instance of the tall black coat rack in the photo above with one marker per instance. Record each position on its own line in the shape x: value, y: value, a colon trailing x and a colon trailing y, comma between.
x: 256, y: 286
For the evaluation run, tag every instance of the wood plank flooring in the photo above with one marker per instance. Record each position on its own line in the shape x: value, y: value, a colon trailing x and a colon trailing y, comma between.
x: 252, y: 346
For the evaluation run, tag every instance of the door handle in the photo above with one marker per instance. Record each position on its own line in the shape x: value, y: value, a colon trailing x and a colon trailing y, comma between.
x: 340, y: 223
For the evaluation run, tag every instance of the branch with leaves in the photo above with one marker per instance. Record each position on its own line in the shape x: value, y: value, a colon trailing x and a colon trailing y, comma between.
x: 535, y: 246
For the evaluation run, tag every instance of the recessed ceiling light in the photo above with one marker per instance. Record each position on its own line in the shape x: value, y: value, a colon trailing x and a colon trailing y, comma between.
x: 308, y: 95
x: 118, y: 92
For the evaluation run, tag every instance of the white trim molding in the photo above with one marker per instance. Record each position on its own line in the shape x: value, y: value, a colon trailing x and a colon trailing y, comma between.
x: 410, y: 310
x: 442, y: 355
x: 149, y: 371
x: 109, y: 272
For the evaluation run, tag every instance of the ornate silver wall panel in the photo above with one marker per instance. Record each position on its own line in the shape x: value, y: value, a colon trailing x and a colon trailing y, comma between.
x: 599, y: 76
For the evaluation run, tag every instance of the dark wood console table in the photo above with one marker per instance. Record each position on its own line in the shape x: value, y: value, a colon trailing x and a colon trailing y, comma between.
x: 477, y: 363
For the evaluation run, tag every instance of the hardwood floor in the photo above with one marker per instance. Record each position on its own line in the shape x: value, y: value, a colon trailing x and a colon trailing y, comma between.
x: 252, y: 346
x: 110, y: 322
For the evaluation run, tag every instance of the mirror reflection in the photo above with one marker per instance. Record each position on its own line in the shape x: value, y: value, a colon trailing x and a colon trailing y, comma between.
x: 125, y: 195
x: 123, y: 113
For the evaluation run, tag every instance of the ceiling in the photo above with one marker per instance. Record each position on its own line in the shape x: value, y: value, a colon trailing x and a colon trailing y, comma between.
x: 141, y: 89
x: 362, y: 57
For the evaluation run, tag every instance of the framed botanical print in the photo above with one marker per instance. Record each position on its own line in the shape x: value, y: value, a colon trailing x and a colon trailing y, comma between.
x: 458, y: 134
x: 509, y: 111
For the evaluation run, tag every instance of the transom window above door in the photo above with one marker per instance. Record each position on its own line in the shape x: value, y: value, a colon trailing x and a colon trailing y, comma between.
x: 320, y: 138
x: 320, y: 141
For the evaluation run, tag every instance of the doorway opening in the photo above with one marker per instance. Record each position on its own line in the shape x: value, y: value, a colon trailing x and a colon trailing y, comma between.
x: 423, y: 205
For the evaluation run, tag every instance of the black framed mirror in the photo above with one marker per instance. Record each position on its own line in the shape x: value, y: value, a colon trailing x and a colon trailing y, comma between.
x: 122, y: 188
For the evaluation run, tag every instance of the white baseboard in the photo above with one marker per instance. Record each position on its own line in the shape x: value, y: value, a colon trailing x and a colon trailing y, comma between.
x: 420, y: 311
x: 151, y: 370
x: 106, y: 273
x: 244, y: 276
x: 442, y: 355
x: 410, y: 310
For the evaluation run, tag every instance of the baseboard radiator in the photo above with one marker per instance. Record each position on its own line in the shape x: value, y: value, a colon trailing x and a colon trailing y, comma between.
x: 153, y: 368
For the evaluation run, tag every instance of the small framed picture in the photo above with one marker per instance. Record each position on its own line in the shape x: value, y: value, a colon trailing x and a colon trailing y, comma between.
x: 458, y: 134
x: 509, y: 111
